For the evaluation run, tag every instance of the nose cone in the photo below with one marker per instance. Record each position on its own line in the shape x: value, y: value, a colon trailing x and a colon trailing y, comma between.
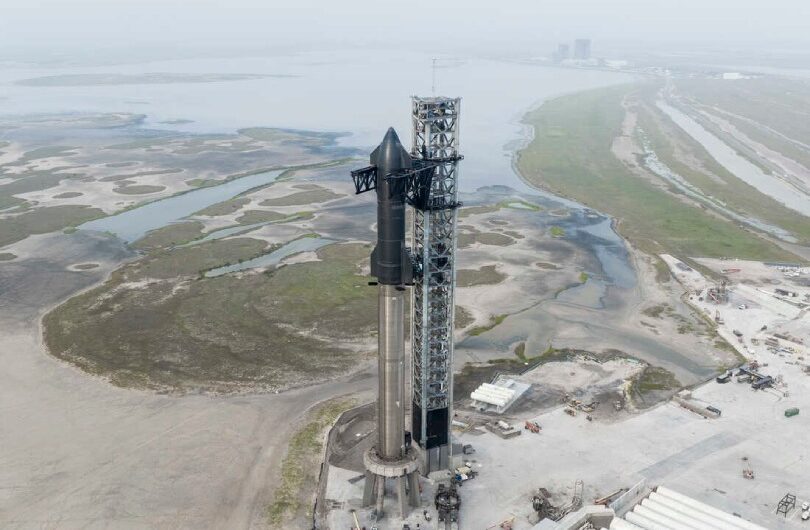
x: 390, y: 155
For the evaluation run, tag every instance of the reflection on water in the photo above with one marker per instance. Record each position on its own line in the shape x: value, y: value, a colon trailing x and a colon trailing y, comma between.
x: 749, y: 173
x: 362, y: 92
x: 654, y: 164
x: 583, y: 226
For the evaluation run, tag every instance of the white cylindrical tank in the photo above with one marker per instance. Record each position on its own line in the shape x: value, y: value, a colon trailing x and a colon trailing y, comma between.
x: 698, y: 520
x: 621, y: 524
x: 662, y: 519
x: 644, y: 522
x: 737, y: 522
x: 689, y: 511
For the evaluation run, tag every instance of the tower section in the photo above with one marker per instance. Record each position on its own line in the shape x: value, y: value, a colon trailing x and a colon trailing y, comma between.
x: 435, y: 141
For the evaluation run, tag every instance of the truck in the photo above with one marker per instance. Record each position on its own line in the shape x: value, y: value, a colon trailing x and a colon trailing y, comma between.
x: 532, y: 426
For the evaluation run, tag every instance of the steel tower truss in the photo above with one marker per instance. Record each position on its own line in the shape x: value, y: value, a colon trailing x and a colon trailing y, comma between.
x: 435, y: 123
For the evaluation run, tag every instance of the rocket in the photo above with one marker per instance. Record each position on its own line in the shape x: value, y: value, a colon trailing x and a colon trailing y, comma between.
x: 391, y: 265
x: 390, y: 261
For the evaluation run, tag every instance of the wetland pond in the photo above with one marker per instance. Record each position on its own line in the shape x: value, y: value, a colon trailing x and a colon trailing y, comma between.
x: 323, y: 95
x: 131, y: 225
x: 296, y: 246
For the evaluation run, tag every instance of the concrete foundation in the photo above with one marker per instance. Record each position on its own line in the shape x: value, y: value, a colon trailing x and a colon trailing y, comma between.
x: 403, y: 472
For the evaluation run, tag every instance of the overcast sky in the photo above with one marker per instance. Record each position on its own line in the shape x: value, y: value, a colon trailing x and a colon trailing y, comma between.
x: 444, y: 25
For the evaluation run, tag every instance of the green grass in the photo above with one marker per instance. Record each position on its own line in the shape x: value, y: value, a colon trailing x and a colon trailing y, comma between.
x: 302, y: 197
x: 137, y: 189
x: 299, y: 469
x: 156, y: 323
x: 515, y: 204
x: 556, y: 231
x: 493, y: 322
x: 68, y: 195
x: 224, y: 208
x: 170, y: 235
x: 520, y: 351
x: 250, y: 217
x: 769, y: 101
x: 44, y: 152
x: 520, y: 205
x: 654, y: 378
x: 7, y: 256
x: 486, y: 275
x: 662, y: 272
x: 202, y: 183
x: 583, y: 277
x: 657, y: 311
x: 547, y: 266
x: 463, y: 317
x: 671, y: 145
x: 44, y: 220
x: 576, y: 161
x: 196, y: 259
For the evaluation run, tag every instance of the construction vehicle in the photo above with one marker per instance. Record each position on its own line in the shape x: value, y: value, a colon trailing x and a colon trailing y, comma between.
x: 464, y: 473
x: 763, y: 382
x: 532, y: 426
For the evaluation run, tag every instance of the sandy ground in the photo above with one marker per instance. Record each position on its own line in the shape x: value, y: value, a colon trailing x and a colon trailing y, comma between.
x: 669, y: 445
x: 79, y: 453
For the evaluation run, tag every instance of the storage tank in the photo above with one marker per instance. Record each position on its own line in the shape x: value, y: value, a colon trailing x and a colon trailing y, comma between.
x: 662, y: 519
x: 689, y: 511
x: 737, y: 522
x: 692, y: 519
x: 621, y: 524
x: 646, y: 523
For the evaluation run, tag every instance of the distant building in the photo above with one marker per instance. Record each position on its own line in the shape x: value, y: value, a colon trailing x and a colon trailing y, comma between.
x: 563, y: 53
x: 582, y: 49
x: 734, y: 76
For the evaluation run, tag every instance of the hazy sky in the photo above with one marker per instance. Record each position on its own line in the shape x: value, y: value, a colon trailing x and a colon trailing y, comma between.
x: 450, y: 25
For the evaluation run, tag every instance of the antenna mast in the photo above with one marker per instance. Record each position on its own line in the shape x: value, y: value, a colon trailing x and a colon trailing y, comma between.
x: 433, y: 86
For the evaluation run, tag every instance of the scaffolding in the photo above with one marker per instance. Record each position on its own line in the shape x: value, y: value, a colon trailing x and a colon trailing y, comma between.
x: 787, y: 503
x: 435, y: 141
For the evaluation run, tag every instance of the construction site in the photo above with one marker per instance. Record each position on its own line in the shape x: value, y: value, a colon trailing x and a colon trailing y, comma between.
x: 514, y: 452
x: 726, y: 453
x: 422, y: 458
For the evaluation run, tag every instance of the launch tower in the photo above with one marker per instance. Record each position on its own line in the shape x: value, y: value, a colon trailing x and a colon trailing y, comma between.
x: 424, y: 178
x: 435, y: 122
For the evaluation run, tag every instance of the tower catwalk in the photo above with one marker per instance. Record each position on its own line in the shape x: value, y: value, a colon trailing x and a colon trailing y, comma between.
x: 435, y: 123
